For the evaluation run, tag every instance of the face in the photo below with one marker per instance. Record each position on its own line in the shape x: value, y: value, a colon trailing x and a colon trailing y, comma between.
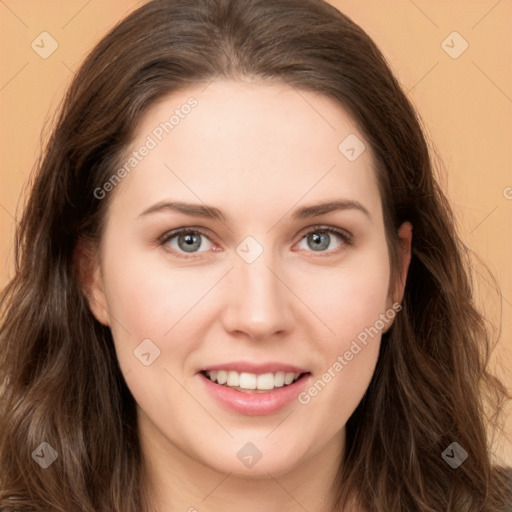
x: 246, y: 242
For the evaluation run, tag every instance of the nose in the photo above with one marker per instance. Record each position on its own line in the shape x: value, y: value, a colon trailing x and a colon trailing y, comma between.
x: 259, y: 303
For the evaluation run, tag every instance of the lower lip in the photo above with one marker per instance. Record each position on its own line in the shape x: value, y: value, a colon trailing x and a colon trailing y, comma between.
x: 256, y: 404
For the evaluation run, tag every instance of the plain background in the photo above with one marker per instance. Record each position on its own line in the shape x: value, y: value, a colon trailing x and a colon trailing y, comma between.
x: 465, y: 104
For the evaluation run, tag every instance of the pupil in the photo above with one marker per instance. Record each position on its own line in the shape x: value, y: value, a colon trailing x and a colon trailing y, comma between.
x: 319, y: 241
x: 192, y: 242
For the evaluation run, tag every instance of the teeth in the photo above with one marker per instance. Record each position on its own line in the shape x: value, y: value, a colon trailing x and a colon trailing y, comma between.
x: 233, y: 379
x: 248, y: 381
x: 279, y: 379
x: 288, y: 378
x: 264, y: 381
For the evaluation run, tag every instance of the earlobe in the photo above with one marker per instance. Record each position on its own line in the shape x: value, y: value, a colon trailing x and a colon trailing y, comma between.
x: 96, y: 298
x: 87, y: 267
x: 405, y: 248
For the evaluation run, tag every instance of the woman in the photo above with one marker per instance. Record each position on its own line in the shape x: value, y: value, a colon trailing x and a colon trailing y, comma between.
x: 239, y: 285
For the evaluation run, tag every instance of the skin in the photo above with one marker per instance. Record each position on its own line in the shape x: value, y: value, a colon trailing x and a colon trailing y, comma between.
x: 257, y: 152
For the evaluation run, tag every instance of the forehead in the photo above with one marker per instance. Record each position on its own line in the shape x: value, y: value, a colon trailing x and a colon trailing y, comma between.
x: 249, y: 145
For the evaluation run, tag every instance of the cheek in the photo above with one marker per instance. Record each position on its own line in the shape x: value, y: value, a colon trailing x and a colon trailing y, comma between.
x: 155, y: 301
x: 353, y: 313
x: 169, y: 306
x: 352, y: 303
x: 349, y: 297
x: 151, y: 299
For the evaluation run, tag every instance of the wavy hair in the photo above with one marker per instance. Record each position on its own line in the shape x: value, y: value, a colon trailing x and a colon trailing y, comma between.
x: 60, y: 379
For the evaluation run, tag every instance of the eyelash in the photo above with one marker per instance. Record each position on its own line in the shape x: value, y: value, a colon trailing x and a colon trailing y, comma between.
x: 345, y: 236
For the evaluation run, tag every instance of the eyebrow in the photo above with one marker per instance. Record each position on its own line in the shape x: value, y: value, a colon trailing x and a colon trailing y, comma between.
x: 194, y: 210
x: 210, y: 212
x: 316, y: 210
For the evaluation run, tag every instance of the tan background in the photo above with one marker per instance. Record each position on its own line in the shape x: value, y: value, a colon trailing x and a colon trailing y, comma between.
x: 465, y: 102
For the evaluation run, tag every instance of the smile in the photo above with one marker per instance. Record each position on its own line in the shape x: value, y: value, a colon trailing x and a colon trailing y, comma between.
x: 251, y: 382
x: 254, y: 394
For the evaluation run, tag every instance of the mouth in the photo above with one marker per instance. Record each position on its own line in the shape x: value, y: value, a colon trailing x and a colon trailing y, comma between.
x: 254, y: 390
x: 246, y: 382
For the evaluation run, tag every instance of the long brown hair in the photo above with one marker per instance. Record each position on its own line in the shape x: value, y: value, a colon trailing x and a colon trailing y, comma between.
x: 61, y: 380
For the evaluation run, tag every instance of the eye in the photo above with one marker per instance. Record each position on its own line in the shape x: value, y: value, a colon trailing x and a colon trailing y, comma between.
x: 190, y: 241
x: 186, y: 240
x: 320, y: 239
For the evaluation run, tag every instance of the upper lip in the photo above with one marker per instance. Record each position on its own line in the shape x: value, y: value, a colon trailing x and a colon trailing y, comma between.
x: 256, y: 368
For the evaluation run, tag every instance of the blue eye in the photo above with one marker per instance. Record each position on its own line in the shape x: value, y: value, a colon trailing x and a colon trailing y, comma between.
x: 319, y: 239
x: 187, y: 240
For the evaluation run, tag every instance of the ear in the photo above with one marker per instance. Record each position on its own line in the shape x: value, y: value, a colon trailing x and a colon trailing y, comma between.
x: 87, y: 267
x: 405, y: 241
